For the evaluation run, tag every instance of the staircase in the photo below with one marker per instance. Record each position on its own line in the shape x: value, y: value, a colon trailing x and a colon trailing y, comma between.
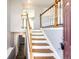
x: 41, y: 48
x: 38, y: 45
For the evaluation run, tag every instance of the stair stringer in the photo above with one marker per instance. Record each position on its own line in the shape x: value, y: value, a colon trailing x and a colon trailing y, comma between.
x: 52, y: 47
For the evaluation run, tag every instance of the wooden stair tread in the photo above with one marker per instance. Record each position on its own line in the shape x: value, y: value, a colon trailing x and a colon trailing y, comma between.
x: 38, y: 44
x: 37, y: 34
x: 38, y: 39
x: 42, y: 50
x: 50, y: 57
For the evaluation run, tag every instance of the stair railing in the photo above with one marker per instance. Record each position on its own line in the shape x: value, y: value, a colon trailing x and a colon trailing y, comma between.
x: 29, y: 38
x: 51, y: 17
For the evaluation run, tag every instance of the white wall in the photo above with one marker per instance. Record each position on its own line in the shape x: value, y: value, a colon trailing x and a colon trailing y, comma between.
x: 8, y: 26
x: 16, y: 21
x: 10, y: 39
x: 55, y: 36
x: 38, y: 10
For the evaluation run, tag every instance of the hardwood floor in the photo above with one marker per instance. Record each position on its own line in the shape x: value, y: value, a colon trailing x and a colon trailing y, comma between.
x: 21, y: 53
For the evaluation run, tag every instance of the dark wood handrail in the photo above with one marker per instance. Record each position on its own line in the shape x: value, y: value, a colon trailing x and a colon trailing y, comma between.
x: 49, y: 26
x: 47, y: 9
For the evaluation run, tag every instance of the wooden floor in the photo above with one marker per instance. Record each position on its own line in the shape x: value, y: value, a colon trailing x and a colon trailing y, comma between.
x: 38, y: 44
x: 21, y: 53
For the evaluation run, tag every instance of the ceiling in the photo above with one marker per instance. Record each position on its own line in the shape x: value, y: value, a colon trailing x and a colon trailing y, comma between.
x: 41, y: 3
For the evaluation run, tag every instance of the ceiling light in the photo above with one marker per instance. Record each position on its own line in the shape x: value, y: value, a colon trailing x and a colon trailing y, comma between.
x: 29, y: 1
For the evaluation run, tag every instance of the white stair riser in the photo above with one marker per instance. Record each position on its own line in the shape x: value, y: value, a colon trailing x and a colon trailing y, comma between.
x: 39, y: 41
x: 41, y: 47
x: 42, y: 37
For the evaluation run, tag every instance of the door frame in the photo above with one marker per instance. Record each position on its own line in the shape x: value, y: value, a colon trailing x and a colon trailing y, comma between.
x: 67, y: 28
